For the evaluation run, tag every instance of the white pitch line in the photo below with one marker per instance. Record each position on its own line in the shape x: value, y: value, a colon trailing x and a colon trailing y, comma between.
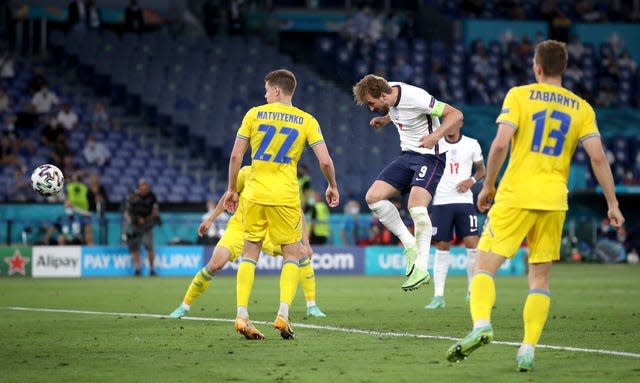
x: 329, y: 328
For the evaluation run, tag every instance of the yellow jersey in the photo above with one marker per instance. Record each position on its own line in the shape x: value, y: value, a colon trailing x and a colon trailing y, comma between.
x: 549, y: 121
x: 242, y: 178
x: 277, y: 134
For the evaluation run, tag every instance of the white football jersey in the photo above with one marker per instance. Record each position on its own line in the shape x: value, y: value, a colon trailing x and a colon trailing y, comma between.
x: 460, y: 158
x: 412, y: 117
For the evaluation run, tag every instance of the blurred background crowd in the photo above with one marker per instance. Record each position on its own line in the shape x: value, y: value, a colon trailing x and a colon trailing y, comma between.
x: 114, y: 91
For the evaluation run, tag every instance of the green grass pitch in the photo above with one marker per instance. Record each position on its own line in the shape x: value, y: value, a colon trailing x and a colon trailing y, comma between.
x: 594, y: 307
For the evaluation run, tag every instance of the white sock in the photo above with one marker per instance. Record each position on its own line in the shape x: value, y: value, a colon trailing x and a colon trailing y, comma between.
x: 284, y: 310
x: 186, y: 306
x: 481, y: 323
x: 440, y: 270
x: 242, y: 312
x: 390, y: 218
x: 422, y: 224
x: 471, y: 263
x: 311, y: 303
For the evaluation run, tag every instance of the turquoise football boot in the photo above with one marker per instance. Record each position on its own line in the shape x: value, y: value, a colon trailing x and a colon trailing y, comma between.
x: 436, y: 303
x: 525, y: 361
x: 178, y: 313
x: 314, y: 311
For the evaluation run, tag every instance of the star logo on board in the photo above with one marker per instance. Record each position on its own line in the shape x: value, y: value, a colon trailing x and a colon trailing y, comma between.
x: 17, y: 263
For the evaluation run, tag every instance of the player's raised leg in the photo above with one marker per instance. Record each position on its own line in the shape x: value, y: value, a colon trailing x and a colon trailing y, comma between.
x: 426, y: 173
x: 200, y: 282
x: 378, y: 200
x: 420, y: 273
x: 425, y: 182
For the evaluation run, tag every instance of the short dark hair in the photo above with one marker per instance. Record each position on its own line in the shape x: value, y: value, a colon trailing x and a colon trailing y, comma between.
x: 283, y: 79
x: 372, y: 85
x: 552, y: 56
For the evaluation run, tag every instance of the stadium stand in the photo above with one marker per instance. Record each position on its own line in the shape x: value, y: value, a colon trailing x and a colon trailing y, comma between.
x: 134, y: 155
x: 481, y: 74
x: 201, y: 108
x: 181, y: 98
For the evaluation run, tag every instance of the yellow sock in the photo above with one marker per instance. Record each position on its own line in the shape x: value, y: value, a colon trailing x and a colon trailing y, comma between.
x: 307, y: 279
x: 199, y: 285
x: 289, y: 281
x: 244, y: 282
x: 536, y: 310
x: 483, y: 296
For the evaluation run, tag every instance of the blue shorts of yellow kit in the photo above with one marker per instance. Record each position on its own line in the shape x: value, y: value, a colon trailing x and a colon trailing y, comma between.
x: 506, y: 228
x: 281, y: 223
x: 233, y: 238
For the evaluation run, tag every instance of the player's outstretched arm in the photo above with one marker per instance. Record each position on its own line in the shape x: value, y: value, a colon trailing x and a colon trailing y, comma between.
x: 329, y: 172
x: 602, y: 171
x: 204, y: 226
x: 497, y: 156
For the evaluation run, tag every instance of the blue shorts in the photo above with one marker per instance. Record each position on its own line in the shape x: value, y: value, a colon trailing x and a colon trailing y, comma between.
x: 444, y: 218
x: 414, y: 169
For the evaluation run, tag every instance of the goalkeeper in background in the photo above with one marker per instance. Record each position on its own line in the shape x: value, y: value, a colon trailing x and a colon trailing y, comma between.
x: 229, y: 248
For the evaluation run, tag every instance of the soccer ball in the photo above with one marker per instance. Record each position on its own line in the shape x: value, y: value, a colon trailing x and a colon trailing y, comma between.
x: 47, y: 180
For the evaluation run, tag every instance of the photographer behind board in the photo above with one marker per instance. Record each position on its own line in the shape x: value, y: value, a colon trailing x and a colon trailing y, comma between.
x: 141, y: 214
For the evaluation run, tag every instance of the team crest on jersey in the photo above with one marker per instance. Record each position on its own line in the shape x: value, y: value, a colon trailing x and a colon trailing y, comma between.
x: 434, y: 230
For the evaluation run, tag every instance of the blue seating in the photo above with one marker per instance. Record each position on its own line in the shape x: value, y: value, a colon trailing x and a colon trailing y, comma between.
x: 181, y: 84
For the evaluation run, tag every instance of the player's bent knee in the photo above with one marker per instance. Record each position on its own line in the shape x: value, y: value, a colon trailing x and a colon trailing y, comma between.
x: 372, y: 197
x: 215, y: 265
